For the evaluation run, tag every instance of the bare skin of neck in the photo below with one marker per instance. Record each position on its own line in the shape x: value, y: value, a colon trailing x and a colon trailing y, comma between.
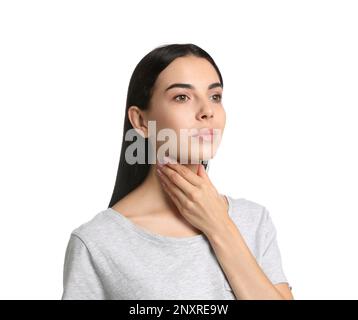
x: 150, y: 206
x: 153, y: 191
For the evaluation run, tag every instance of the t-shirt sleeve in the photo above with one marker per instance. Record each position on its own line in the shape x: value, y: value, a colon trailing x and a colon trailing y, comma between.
x: 81, y: 280
x: 271, y: 261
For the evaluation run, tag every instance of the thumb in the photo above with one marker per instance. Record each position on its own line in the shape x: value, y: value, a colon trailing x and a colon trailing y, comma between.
x: 201, y: 172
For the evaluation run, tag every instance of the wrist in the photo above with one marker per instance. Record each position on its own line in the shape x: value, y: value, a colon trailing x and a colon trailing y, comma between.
x: 222, y: 232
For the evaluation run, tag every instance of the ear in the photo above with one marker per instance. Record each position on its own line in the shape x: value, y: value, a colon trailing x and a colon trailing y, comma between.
x: 138, y: 120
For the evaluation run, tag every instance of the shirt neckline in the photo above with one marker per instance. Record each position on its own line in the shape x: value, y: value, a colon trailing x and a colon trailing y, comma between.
x: 126, y: 222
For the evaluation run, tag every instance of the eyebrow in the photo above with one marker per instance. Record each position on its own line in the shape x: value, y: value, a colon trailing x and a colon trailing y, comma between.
x: 190, y: 86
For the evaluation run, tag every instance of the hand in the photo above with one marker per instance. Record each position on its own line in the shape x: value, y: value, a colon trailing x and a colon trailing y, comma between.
x: 195, y: 196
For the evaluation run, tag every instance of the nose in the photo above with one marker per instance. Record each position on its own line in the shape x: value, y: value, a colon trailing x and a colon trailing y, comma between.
x: 205, y: 112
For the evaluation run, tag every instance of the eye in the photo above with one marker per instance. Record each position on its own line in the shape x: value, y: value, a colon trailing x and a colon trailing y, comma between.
x: 218, y: 97
x: 181, y: 95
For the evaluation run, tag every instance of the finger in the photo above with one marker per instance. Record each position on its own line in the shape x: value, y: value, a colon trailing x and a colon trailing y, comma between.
x: 202, y: 173
x: 170, y: 194
x: 186, y: 187
x: 185, y: 172
x: 170, y: 187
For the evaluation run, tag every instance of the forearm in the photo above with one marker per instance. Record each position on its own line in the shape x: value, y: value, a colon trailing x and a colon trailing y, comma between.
x: 245, y: 276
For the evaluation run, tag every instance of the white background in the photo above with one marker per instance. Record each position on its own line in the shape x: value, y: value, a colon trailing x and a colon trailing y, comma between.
x: 290, y: 76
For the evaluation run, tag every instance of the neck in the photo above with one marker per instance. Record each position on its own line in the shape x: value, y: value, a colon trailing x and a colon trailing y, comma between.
x: 151, y: 190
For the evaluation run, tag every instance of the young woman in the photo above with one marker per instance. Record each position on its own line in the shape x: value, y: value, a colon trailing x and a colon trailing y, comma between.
x: 167, y: 232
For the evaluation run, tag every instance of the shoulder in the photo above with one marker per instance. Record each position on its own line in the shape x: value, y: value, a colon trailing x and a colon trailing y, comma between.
x: 93, y: 230
x: 248, y: 212
x: 253, y: 221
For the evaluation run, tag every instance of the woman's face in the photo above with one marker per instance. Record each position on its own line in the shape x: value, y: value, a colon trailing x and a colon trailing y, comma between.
x: 194, y: 107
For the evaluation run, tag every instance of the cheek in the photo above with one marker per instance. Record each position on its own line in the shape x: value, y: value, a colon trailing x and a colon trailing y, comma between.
x: 221, y: 120
x: 175, y: 120
x: 221, y: 116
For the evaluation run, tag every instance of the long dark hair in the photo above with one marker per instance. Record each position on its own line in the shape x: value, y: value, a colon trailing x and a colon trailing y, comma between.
x: 140, y: 90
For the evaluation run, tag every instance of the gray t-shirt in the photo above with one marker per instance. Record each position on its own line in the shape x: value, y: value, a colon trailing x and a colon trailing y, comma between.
x: 110, y: 257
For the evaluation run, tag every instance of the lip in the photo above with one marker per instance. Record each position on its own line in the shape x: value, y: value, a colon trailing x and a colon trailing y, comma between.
x: 204, y: 132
